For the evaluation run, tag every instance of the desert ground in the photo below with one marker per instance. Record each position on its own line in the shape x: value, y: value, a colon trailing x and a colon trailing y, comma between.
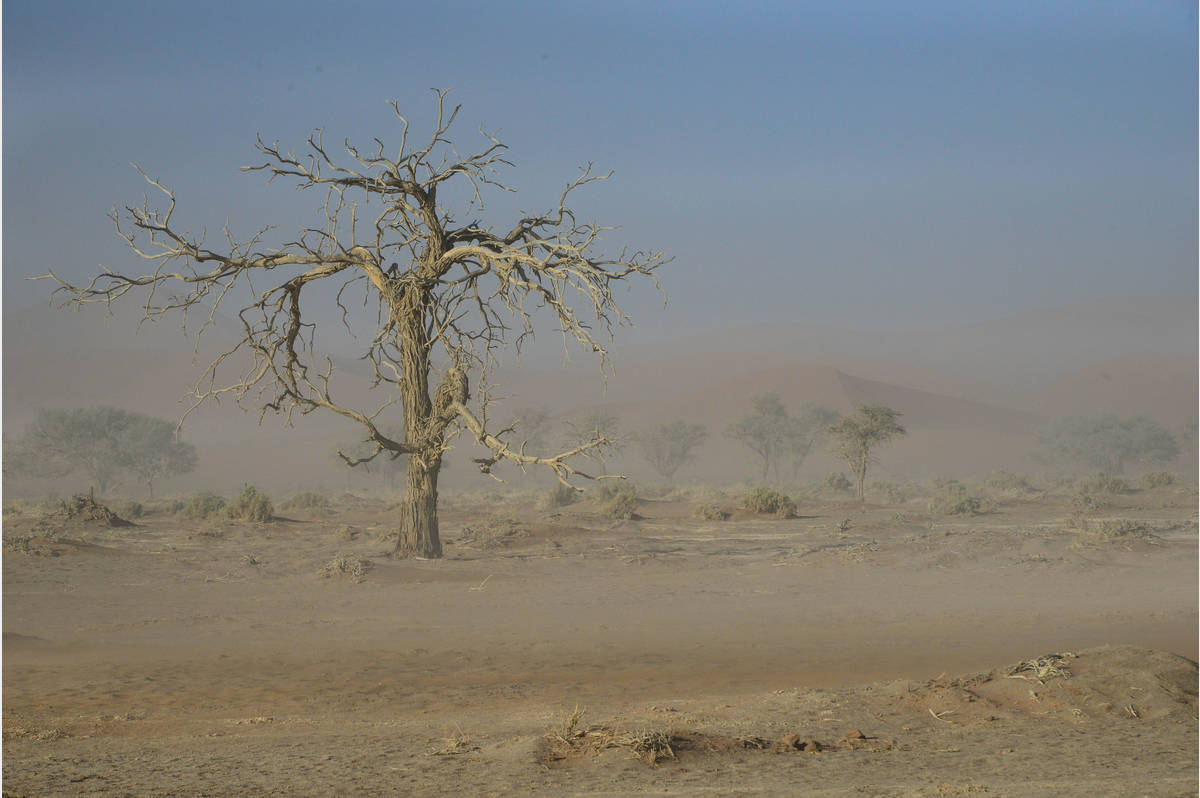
x: 1028, y: 644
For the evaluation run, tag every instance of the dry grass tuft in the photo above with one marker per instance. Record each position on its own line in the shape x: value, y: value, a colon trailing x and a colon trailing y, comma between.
x: 341, y: 565
x: 1050, y: 666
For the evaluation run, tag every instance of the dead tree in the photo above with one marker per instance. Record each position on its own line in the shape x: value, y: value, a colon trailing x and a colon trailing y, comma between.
x: 445, y: 295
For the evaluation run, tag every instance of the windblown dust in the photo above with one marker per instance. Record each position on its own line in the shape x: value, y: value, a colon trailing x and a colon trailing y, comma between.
x: 850, y: 650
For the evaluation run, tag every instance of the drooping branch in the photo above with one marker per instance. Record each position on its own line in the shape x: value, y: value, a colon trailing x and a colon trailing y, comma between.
x: 501, y: 451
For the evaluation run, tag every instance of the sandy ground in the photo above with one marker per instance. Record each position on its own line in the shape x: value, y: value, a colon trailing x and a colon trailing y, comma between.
x: 850, y: 651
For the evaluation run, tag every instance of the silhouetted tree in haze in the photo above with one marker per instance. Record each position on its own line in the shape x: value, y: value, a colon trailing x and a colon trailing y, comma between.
x: 105, y: 443
x: 1107, y: 442
x: 855, y: 436
x: 668, y: 446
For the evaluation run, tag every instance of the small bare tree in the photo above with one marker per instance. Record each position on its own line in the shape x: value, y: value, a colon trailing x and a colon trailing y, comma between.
x: 463, y: 290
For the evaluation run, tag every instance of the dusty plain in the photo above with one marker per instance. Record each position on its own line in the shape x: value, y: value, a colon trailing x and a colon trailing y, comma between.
x: 1034, y: 649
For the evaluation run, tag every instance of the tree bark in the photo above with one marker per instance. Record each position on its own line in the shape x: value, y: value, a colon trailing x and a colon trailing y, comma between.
x: 419, y: 535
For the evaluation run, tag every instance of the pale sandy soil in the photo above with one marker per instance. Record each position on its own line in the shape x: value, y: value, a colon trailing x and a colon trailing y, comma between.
x: 157, y: 660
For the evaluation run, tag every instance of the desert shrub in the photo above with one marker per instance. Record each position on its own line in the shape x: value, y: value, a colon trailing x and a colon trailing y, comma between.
x: 766, y: 500
x: 212, y: 529
x: 889, y: 491
x: 202, y: 505
x: 341, y: 565
x: 837, y: 482
x: 622, y: 506
x: 710, y: 512
x: 306, y: 501
x: 1116, y: 530
x: 250, y: 505
x: 1102, y: 483
x: 346, y: 533
x: 1157, y: 479
x: 494, y: 531
x: 559, y: 496
x: 1087, y: 502
x: 610, y: 489
x: 1006, y: 482
x: 51, y: 503
x: 128, y: 509
x: 953, y: 499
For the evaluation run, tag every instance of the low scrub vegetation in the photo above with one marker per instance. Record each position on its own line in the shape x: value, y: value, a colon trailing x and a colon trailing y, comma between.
x: 1102, y: 483
x: 1008, y: 484
x: 559, y: 496
x: 251, y: 505
x: 837, y: 482
x: 1156, y: 479
x: 710, y: 512
x: 769, y: 501
x: 200, y: 506
x: 952, y: 499
x: 307, y: 500
x: 128, y: 509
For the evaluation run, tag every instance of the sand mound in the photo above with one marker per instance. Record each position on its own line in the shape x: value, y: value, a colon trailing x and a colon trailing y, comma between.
x: 1121, y: 680
x: 85, y: 511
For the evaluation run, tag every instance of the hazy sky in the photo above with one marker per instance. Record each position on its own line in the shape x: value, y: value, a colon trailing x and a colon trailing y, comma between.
x: 863, y: 163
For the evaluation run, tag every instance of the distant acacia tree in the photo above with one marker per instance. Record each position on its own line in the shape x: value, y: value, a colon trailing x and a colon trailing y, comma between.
x: 105, y: 443
x: 595, y: 425
x: 810, y: 427
x: 854, y: 436
x: 443, y: 291
x: 767, y: 431
x: 532, y: 427
x: 153, y: 451
x: 1107, y: 442
x: 668, y: 446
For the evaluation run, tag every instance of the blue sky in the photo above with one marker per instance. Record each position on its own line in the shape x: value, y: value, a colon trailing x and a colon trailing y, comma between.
x: 869, y: 164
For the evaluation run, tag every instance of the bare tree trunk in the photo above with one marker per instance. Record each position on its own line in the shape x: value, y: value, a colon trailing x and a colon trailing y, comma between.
x: 861, y: 476
x: 418, y: 513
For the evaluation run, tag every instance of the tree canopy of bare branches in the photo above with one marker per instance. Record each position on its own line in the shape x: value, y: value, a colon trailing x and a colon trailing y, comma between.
x: 447, y: 293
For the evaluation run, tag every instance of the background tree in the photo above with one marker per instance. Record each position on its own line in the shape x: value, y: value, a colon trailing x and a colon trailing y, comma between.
x: 767, y: 431
x: 442, y: 292
x: 105, y: 443
x: 854, y: 436
x: 1107, y: 442
x: 532, y: 427
x: 810, y: 427
x: 153, y: 450
x: 669, y: 446
x: 595, y: 425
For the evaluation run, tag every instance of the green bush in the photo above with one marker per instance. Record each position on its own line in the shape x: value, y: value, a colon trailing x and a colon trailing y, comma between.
x: 202, y: 505
x: 766, y: 500
x: 837, y: 482
x: 1157, y: 479
x: 250, y: 505
x: 306, y: 501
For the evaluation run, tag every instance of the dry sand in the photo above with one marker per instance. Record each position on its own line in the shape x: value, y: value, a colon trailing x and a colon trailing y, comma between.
x: 901, y: 654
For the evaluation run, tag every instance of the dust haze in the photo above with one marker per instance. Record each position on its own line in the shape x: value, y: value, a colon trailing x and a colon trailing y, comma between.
x: 571, y: 643
x: 901, y: 463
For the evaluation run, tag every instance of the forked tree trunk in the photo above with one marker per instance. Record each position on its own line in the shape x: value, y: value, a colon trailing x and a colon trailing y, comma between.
x: 419, y: 535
